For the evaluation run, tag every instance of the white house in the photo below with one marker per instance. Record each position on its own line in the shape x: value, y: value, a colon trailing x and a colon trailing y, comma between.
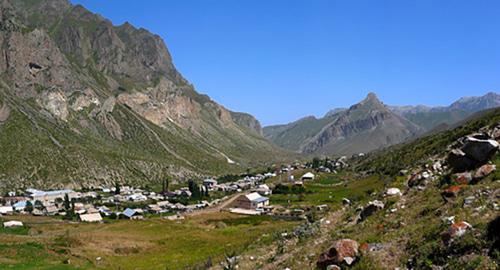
x: 4, y: 210
x: 210, y: 183
x: 94, y: 217
x: 263, y: 190
x: 251, y: 201
x: 307, y: 176
x: 50, y: 196
x: 13, y: 223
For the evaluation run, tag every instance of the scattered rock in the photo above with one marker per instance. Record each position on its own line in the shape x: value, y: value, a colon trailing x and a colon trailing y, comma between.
x: 456, y: 230
x: 346, y: 201
x: 449, y: 220
x: 342, y: 251
x: 333, y: 267
x: 451, y: 191
x: 469, y: 200
x: 393, y: 192
x: 463, y: 178
x: 370, y: 208
x: 484, y: 171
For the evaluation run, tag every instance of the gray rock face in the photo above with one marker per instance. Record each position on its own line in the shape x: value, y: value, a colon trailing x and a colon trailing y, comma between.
x: 113, y: 98
x: 473, y: 153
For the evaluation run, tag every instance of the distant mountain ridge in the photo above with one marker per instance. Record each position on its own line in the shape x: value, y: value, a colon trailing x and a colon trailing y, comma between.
x: 371, y: 125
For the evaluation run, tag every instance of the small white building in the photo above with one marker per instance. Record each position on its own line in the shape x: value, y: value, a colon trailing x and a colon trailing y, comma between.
x: 264, y: 190
x: 94, y: 217
x: 251, y: 201
x: 12, y: 224
x: 209, y: 183
x: 307, y: 176
x: 4, y: 210
x: 50, y: 196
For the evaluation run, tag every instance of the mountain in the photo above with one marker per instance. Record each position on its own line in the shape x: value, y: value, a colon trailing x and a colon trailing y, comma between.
x: 84, y: 102
x: 371, y: 125
x: 364, y: 127
x: 432, y: 117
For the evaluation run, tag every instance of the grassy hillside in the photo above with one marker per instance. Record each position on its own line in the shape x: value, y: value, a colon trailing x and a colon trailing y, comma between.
x: 393, y: 159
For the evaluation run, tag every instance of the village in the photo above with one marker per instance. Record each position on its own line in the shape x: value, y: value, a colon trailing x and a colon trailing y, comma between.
x: 246, y: 196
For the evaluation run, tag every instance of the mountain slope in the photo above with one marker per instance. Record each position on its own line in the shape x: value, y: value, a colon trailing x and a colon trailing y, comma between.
x: 379, y: 125
x: 93, y: 102
x: 363, y: 127
x: 431, y: 117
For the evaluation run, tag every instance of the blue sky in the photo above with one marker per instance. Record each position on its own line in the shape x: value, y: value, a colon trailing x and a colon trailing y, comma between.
x: 281, y: 60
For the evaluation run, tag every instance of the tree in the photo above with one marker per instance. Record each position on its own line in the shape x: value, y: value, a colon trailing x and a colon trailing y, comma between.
x: 29, y: 207
x: 117, y: 188
x: 66, y: 203
x: 69, y: 208
x: 164, y: 186
x: 39, y: 205
x: 315, y: 163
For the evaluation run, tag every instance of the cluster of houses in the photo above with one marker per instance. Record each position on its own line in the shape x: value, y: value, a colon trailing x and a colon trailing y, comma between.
x: 92, y: 206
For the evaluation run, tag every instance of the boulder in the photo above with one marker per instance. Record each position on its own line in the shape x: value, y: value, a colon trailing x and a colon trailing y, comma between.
x: 452, y: 191
x: 342, y: 251
x: 393, y: 192
x: 346, y: 201
x: 370, y: 209
x: 463, y: 178
x: 484, y: 171
x: 333, y: 267
x: 459, y: 161
x: 456, y: 230
x: 480, y: 150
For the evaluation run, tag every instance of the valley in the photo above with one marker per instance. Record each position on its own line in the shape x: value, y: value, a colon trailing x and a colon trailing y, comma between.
x: 111, y: 159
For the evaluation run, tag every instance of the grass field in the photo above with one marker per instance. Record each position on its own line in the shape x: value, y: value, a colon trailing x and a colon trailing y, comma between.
x: 329, y: 189
x: 149, y: 244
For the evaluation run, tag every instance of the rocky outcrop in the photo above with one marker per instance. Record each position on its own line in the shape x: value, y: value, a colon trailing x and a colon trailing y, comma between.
x: 344, y: 251
x: 484, y: 171
x: 473, y: 152
x: 106, y: 94
x: 370, y: 209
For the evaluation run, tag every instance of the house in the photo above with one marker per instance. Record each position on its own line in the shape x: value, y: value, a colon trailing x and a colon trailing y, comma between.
x: 136, y: 197
x: 14, y: 199
x: 94, y: 217
x: 51, y: 210
x: 50, y: 196
x: 251, y: 201
x: 132, y: 214
x: 104, y: 210
x: 264, y: 190
x: 19, y: 206
x: 4, y: 210
x: 154, y: 208
x: 307, y: 176
x: 210, y: 183
x: 12, y: 224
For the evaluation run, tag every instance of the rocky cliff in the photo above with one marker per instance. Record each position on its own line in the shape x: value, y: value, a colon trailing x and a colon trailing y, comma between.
x: 96, y: 102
